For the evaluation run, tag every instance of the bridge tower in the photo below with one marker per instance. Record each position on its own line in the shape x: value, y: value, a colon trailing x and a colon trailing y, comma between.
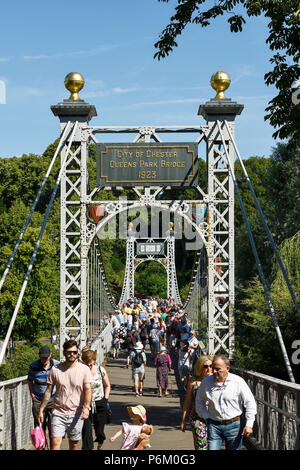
x: 217, y: 232
x: 220, y: 196
x: 73, y: 218
x: 161, y: 250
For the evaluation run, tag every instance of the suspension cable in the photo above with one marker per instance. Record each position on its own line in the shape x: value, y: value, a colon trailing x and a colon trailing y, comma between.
x: 31, y: 263
x: 265, y: 223
x: 273, y: 314
x: 62, y: 139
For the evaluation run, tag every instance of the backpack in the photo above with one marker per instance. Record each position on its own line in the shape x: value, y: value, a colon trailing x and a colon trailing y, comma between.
x: 38, y: 438
x: 138, y: 359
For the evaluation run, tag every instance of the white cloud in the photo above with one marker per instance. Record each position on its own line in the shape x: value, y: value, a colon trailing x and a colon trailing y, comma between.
x: 23, y: 93
x: 245, y: 71
x: 124, y: 90
x: 158, y: 103
x: 94, y: 51
x: 113, y: 91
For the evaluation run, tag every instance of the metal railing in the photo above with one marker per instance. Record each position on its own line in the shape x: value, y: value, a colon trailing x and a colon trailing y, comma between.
x: 16, y: 420
x: 103, y: 344
x: 277, y: 422
x: 276, y: 425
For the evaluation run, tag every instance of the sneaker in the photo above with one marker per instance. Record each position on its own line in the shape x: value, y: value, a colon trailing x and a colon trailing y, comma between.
x: 141, y: 393
x: 137, y: 394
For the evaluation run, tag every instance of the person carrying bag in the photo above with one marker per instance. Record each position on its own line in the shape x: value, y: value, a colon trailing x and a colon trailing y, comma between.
x: 100, y: 413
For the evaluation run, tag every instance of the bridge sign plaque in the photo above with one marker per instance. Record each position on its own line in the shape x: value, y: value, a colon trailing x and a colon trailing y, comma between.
x: 147, y: 164
x: 150, y: 248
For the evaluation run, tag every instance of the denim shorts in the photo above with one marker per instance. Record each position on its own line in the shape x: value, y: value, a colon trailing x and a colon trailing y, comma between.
x: 70, y: 424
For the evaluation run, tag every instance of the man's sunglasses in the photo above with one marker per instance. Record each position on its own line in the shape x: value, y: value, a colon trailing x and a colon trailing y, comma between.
x: 71, y: 352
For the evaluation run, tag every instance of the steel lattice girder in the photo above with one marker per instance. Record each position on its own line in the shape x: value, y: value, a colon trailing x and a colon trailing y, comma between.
x: 217, y: 235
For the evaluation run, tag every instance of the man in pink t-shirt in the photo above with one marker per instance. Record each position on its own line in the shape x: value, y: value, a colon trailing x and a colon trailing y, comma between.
x: 72, y: 398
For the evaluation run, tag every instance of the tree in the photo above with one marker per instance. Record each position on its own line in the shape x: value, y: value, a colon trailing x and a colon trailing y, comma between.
x: 283, y: 189
x: 283, y: 111
x: 20, y: 179
x: 276, y: 182
x: 261, y: 351
x: 257, y: 169
x: 151, y: 279
x: 39, y: 309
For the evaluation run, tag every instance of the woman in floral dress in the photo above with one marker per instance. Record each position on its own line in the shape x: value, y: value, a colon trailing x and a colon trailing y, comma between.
x: 163, y: 366
x: 202, y: 368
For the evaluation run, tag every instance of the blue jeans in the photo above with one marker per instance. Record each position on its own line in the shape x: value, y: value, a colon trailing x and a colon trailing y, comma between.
x: 230, y: 433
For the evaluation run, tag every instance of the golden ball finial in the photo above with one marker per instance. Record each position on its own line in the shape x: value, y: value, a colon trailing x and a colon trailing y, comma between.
x: 74, y: 82
x: 220, y: 81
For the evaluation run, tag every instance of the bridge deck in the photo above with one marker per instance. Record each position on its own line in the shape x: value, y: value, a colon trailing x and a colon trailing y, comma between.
x: 163, y: 413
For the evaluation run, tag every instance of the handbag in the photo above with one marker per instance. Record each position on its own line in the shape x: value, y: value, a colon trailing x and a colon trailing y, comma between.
x: 108, y: 408
x: 38, y: 437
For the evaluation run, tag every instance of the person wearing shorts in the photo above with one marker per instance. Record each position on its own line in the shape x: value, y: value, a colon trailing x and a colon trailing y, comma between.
x: 67, y: 424
x: 72, y: 399
x: 184, y: 364
x: 138, y: 370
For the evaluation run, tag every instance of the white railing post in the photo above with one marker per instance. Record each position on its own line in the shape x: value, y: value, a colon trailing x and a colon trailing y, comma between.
x: 19, y: 416
x: 2, y: 395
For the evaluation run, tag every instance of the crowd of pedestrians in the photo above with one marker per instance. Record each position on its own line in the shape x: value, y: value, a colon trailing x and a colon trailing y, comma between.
x: 218, y: 405
x: 164, y: 326
x: 72, y: 397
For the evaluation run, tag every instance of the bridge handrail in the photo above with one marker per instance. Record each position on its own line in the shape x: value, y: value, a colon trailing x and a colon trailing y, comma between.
x: 16, y: 420
x: 278, y: 410
x: 276, y: 426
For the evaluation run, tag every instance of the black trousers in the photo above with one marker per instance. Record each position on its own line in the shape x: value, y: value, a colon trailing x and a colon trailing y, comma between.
x: 96, y: 420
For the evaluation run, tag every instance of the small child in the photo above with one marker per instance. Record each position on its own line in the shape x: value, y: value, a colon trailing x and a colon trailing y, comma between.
x: 116, y: 345
x: 131, y: 431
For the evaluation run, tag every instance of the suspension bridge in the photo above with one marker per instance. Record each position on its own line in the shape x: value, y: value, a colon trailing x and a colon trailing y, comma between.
x: 149, y: 166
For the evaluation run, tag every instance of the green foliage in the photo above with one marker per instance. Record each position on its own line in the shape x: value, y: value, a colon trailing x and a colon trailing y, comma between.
x: 276, y: 182
x: 261, y: 351
x: 151, y: 279
x: 40, y: 307
x: 283, y: 187
x: 20, y: 179
x: 18, y: 364
x: 257, y: 169
x: 283, y: 26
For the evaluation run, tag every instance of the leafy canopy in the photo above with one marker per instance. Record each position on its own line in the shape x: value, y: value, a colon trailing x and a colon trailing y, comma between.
x: 283, y: 111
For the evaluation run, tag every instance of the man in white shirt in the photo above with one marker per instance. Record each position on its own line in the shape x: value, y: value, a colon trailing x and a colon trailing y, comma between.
x: 221, y: 400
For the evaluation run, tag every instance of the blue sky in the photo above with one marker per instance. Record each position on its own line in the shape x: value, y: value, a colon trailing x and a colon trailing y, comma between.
x: 112, y: 44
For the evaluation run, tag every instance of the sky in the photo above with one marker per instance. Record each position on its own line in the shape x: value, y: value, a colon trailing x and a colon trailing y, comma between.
x: 111, y: 43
